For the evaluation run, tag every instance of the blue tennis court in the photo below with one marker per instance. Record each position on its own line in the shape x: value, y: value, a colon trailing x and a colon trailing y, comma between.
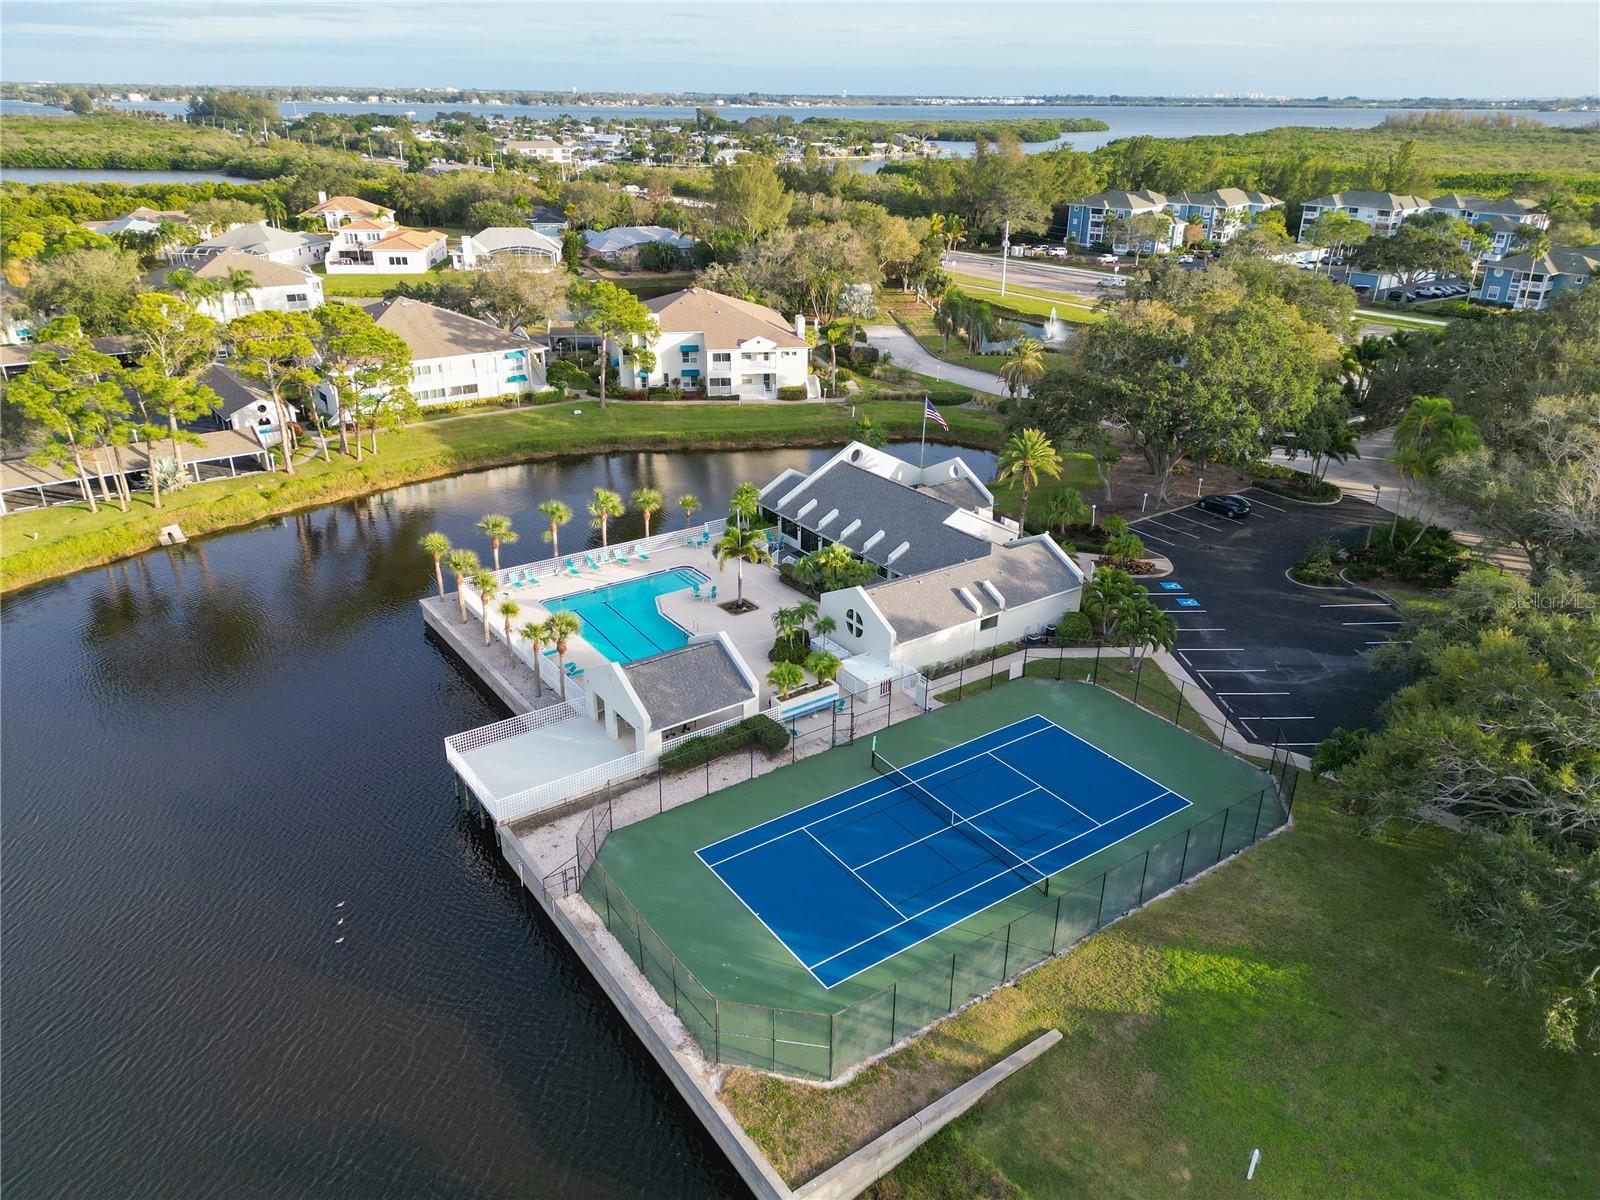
x: 856, y: 878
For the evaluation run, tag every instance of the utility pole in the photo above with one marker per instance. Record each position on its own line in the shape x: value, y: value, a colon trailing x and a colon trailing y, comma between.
x: 1005, y: 256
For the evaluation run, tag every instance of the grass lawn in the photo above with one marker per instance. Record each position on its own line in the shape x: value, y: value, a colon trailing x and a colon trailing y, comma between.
x: 1303, y: 999
x: 371, y: 285
x: 1076, y: 309
x: 918, y: 322
x: 42, y: 543
x: 1077, y: 471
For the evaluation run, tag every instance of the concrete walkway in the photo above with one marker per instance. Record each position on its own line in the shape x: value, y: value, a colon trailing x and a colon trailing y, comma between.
x: 1371, y: 477
x: 905, y: 351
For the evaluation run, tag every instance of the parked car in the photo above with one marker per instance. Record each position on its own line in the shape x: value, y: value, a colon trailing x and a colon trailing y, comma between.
x: 1112, y: 285
x: 1225, y: 505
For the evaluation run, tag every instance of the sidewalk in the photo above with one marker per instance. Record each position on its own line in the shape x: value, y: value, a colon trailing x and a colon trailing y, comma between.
x: 1373, y: 479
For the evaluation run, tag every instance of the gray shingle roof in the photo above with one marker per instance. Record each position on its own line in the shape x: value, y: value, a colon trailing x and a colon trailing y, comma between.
x: 681, y: 685
x: 1021, y: 572
x: 905, y: 514
x: 1559, y: 260
x: 1360, y: 198
x: 960, y: 491
x: 433, y: 332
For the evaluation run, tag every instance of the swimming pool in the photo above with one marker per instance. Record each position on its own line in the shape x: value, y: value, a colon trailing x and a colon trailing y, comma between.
x: 621, y: 619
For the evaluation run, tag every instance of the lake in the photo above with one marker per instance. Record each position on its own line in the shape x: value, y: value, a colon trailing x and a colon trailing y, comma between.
x: 253, y: 946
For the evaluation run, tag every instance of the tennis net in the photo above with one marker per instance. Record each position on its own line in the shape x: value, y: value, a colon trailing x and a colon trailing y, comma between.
x: 1008, y: 858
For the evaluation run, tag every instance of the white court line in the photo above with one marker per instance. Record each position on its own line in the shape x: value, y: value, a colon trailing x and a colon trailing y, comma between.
x: 879, y: 796
x: 1396, y: 622
x: 945, y: 829
x: 991, y: 879
x: 1057, y: 797
x: 762, y: 923
x: 1357, y: 604
x: 852, y: 871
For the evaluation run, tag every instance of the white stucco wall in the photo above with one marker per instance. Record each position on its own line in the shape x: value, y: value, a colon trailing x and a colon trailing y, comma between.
x: 468, y: 377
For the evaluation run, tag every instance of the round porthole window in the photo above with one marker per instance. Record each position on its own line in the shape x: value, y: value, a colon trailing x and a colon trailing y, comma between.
x: 855, y: 456
x: 852, y: 622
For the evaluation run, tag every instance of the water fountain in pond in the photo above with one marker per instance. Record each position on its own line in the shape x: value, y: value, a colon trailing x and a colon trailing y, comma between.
x: 1055, y: 329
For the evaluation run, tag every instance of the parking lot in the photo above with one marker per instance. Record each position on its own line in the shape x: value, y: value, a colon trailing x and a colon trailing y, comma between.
x: 1283, y: 661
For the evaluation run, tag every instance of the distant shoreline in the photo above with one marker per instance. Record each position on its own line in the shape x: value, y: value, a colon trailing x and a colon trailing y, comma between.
x: 474, y: 97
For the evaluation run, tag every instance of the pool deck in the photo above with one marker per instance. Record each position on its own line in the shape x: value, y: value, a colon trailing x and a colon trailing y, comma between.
x: 751, y: 632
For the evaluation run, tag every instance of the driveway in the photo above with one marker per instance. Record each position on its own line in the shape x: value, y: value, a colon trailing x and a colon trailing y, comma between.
x: 905, y: 351
x: 1283, y: 661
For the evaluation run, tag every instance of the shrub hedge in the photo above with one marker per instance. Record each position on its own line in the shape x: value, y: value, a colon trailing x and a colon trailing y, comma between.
x: 757, y: 730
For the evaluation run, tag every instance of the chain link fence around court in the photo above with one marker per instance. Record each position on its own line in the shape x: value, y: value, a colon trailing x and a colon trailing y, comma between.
x: 825, y: 1045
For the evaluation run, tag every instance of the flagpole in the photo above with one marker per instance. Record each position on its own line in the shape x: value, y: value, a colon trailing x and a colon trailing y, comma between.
x: 922, y: 458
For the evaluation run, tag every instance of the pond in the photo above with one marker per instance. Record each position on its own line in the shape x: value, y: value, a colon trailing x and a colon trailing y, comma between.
x: 253, y: 946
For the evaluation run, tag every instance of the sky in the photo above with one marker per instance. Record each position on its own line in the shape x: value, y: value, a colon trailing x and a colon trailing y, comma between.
x: 1306, y: 48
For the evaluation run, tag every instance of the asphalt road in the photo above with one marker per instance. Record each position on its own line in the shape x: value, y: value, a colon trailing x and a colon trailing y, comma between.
x: 1030, y: 273
x: 1283, y: 661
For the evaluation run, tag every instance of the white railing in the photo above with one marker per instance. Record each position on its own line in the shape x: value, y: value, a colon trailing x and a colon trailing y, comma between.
x: 541, y: 796
x: 498, y: 731
x: 548, y: 567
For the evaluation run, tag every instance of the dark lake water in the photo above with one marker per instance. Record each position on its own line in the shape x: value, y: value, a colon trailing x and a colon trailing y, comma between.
x: 221, y: 760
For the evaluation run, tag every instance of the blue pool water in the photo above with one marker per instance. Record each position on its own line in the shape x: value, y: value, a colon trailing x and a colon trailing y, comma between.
x: 621, y: 620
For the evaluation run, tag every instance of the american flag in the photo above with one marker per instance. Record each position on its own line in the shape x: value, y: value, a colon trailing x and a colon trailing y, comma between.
x: 932, y: 414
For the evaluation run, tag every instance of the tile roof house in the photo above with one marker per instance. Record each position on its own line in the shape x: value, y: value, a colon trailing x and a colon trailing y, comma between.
x: 335, y: 211
x: 276, y: 287
x: 377, y: 246
x: 727, y: 346
x: 457, y: 359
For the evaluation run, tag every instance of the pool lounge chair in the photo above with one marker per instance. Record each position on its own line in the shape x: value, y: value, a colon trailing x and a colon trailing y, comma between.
x: 696, y: 588
x: 589, y: 561
x: 713, y: 592
x: 571, y: 570
x: 619, y: 558
x: 515, y: 579
x: 639, y: 553
x: 573, y: 670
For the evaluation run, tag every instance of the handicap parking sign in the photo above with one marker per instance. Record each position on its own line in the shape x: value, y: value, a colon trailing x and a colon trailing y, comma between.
x: 1171, y: 585
x: 1188, y: 602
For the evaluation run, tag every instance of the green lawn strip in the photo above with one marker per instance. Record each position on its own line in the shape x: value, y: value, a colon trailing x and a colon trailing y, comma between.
x: 372, y: 285
x: 918, y: 322
x: 737, y: 959
x: 70, y: 538
x: 1077, y: 471
x: 1303, y: 1000
x: 1076, y: 309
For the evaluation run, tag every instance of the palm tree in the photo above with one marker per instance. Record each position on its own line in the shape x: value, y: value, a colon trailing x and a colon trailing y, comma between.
x: 788, y: 623
x: 1142, y: 625
x: 784, y: 678
x: 1105, y: 594
x: 1023, y: 365
x: 824, y: 626
x: 605, y: 505
x: 833, y: 337
x: 744, y: 504
x: 509, y: 609
x: 951, y: 315
x: 690, y: 503
x: 436, y: 546
x: 486, y: 585
x: 557, y: 630
x: 461, y: 563
x: 1429, y: 432
x: 237, y: 284
x: 823, y: 665
x: 1067, y: 507
x: 533, y: 632
x: 558, y: 514
x: 742, y: 546
x: 807, y: 611
x: 648, y: 501
x: 1027, y: 458
x: 497, y: 529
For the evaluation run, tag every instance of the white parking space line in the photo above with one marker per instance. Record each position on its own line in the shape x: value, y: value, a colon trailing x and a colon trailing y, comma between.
x: 1179, y: 532
x: 1236, y: 671
x: 1358, y: 604
x: 1178, y: 612
x: 1264, y: 504
x: 1192, y: 521
x: 1202, y: 629
x: 1150, y: 537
